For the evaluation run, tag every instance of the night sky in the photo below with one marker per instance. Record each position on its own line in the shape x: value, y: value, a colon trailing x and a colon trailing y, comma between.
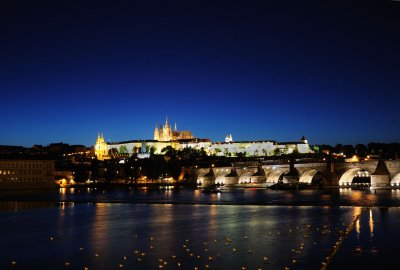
x: 256, y: 69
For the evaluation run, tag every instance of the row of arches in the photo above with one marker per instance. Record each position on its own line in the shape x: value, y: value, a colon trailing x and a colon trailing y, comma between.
x: 352, y: 176
x: 308, y: 177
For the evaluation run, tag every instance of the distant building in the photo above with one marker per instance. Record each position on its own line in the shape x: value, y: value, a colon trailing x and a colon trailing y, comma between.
x: 101, y: 148
x: 258, y: 148
x: 26, y: 173
x: 165, y: 133
x: 228, y: 138
x: 144, y: 153
x: 64, y: 178
x: 166, y: 137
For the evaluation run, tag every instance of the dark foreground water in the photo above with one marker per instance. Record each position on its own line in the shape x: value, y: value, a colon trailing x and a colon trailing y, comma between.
x: 209, y: 233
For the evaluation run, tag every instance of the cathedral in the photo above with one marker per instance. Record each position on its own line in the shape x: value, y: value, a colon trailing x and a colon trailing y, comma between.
x: 101, y: 148
x: 165, y: 133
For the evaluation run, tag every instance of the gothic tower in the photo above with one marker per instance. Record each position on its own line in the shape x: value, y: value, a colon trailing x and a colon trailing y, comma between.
x: 156, y: 134
x: 166, y: 131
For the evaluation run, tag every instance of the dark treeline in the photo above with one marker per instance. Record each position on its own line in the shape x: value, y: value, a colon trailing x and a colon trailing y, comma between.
x: 383, y: 150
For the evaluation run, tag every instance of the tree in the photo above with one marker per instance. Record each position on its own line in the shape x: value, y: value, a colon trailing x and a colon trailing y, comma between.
x: 338, y: 148
x: 349, y: 150
x: 113, y: 151
x: 325, y: 148
x: 286, y: 150
x: 265, y: 152
x: 226, y: 152
x: 123, y: 149
x: 169, y: 151
x: 361, y: 150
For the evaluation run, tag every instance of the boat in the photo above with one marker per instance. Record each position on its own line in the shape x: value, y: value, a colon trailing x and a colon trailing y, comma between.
x: 293, y: 186
x: 211, y: 189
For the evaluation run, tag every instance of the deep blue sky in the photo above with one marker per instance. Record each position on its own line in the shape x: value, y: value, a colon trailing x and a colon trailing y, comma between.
x: 256, y: 69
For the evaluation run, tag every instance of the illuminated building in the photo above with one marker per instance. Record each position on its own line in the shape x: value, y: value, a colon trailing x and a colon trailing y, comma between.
x: 144, y: 153
x: 258, y: 148
x: 228, y: 138
x: 101, y: 148
x: 178, y: 140
x: 165, y: 133
x: 26, y: 173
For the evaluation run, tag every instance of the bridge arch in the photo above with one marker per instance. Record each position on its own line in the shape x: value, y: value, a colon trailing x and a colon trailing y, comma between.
x: 348, y: 177
x: 396, y: 180
x: 220, y: 179
x: 245, y: 177
x: 275, y: 176
x: 309, y: 176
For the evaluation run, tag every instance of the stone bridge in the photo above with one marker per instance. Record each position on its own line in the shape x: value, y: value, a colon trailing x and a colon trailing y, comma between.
x: 374, y: 172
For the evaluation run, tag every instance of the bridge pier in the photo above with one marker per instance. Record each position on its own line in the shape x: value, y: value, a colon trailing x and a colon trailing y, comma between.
x: 381, y: 176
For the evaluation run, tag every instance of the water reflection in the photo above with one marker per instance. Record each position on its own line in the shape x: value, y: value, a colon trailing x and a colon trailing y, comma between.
x: 345, y: 191
x: 234, y: 236
x: 358, y: 228
x: 356, y: 215
x: 342, y: 196
x: 100, y: 225
x: 371, y: 223
x: 16, y: 206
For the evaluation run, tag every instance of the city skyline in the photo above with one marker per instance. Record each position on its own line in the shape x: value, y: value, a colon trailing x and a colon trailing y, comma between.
x: 254, y: 70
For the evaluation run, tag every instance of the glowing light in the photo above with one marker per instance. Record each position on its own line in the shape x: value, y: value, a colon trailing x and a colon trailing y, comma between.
x: 371, y: 223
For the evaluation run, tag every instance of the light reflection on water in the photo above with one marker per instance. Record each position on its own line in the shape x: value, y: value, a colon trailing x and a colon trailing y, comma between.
x: 371, y: 223
x: 375, y: 245
x: 231, y: 235
x: 100, y: 235
x: 341, y: 196
x: 290, y: 235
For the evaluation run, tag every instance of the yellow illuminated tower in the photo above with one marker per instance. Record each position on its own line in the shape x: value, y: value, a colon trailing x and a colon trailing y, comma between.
x: 164, y: 133
x: 101, y: 148
x: 156, y: 134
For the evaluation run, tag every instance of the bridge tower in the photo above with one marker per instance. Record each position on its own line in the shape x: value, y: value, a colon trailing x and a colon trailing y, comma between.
x: 292, y: 176
x: 381, y: 176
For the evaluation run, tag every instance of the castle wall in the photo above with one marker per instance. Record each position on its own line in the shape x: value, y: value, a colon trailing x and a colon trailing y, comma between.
x: 259, y: 148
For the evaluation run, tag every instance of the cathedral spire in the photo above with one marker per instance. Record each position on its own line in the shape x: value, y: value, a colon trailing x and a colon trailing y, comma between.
x: 175, y: 128
x: 156, y: 133
x: 166, y: 121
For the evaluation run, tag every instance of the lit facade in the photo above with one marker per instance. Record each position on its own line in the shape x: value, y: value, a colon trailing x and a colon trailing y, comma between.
x: 178, y: 140
x: 101, y: 148
x: 165, y: 133
x: 228, y: 138
x: 257, y: 148
x: 26, y: 173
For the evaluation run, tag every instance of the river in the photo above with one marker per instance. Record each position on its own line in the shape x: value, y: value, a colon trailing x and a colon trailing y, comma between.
x: 186, y: 229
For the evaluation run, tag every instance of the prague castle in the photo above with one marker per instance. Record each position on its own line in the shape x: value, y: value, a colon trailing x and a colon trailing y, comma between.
x: 165, y: 136
x: 165, y: 133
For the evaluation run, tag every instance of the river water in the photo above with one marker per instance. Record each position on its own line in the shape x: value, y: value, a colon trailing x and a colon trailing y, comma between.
x: 185, y: 229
